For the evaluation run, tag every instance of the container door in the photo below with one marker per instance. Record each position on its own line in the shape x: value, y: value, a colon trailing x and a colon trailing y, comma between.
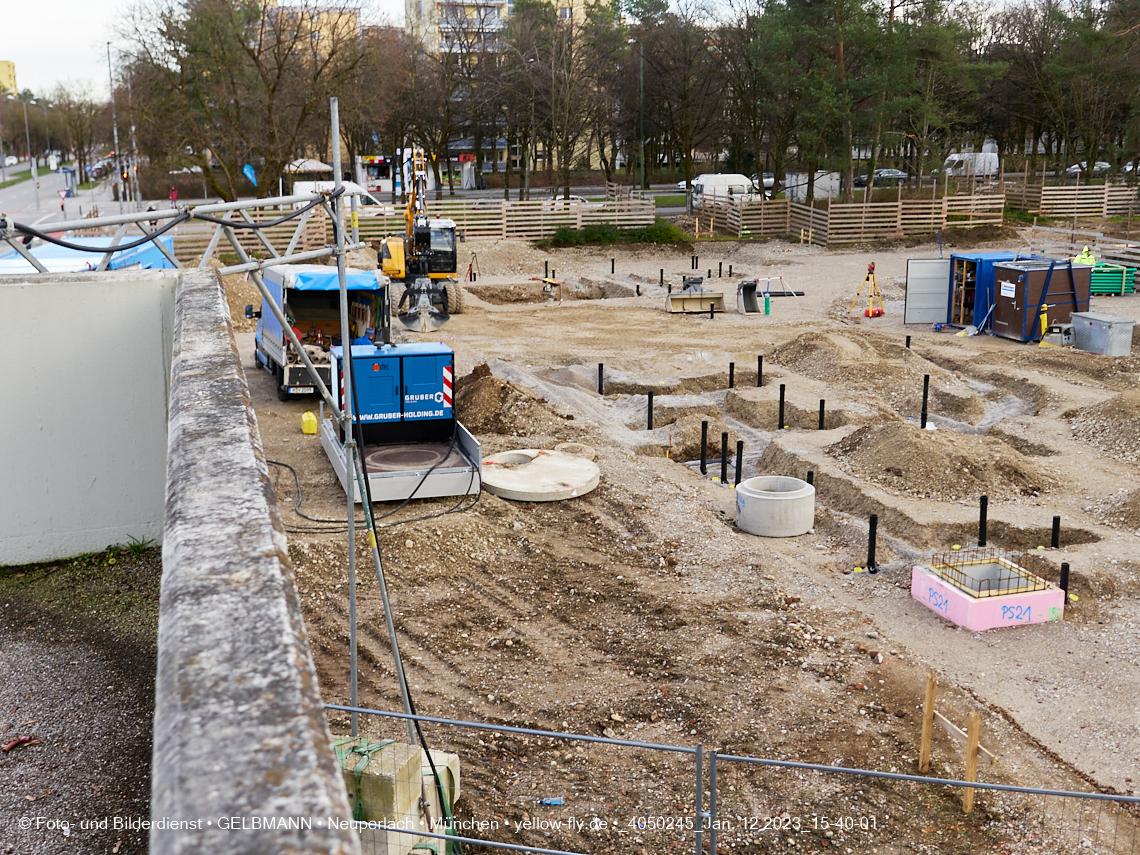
x: 927, y: 287
x: 427, y: 387
x: 377, y: 384
x: 1008, y: 295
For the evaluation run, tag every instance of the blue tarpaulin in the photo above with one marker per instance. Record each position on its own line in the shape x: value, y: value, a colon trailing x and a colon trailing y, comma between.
x: 58, y: 259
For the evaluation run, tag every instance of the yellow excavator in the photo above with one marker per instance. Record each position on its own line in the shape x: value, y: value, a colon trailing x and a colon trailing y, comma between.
x: 423, y: 259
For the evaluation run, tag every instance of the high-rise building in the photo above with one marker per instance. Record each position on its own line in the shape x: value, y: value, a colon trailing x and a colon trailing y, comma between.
x: 7, y: 77
x: 445, y: 25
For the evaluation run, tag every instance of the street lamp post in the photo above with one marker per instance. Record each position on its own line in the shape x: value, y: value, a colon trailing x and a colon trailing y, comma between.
x: 28, y: 139
x: 3, y: 165
x: 47, y: 130
x: 115, y: 126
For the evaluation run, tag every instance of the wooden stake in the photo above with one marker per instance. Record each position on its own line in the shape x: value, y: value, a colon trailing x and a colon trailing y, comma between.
x: 974, y: 732
x: 927, y: 722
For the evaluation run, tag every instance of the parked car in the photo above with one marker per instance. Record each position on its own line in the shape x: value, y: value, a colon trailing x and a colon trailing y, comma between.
x: 10, y: 160
x: 769, y: 181
x: 682, y: 185
x: 563, y: 202
x: 883, y: 177
x: 1099, y: 168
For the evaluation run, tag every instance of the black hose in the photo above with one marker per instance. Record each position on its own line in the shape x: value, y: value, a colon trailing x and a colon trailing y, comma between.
x: 241, y: 224
x: 33, y: 232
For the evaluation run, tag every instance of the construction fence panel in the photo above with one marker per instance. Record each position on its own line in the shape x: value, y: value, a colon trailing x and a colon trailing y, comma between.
x: 977, y: 210
x: 810, y: 222
x: 763, y: 217
x: 817, y: 808
x: 583, y: 793
x: 1098, y: 200
x: 1024, y: 197
x: 921, y: 216
x: 1118, y: 251
x: 857, y: 222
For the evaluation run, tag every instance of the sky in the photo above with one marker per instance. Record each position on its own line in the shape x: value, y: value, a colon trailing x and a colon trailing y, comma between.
x: 65, y: 41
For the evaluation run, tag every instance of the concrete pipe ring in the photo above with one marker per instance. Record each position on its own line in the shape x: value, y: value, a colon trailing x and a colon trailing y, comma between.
x: 775, y: 506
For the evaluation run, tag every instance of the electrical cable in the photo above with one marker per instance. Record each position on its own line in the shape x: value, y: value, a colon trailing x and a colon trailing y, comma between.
x: 33, y: 232
x: 358, y: 427
x: 149, y: 236
x: 241, y: 224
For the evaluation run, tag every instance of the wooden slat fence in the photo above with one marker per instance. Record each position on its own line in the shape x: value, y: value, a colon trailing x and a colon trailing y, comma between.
x: 1067, y: 243
x: 492, y: 218
x: 192, y: 238
x: 811, y: 222
x: 1098, y: 200
x: 840, y: 224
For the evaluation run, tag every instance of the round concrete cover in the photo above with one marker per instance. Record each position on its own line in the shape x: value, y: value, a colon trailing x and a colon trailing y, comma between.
x: 533, y: 475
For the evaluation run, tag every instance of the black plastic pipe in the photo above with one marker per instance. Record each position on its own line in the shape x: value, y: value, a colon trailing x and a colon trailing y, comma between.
x: 739, y: 460
x: 704, y: 448
x: 983, y: 507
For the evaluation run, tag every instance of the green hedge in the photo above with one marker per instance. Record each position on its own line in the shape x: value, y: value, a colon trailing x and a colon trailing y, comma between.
x: 662, y: 231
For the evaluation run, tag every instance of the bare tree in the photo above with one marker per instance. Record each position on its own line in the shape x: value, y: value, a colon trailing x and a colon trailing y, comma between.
x: 226, y: 83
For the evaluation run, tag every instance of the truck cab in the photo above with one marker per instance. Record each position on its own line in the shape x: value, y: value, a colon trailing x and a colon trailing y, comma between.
x: 309, y: 297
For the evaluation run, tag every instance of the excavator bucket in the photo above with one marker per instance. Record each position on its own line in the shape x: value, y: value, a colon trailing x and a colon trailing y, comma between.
x: 747, y: 300
x: 422, y: 314
x: 693, y: 299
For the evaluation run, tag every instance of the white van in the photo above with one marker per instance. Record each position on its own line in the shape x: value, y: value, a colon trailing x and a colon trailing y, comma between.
x: 721, y: 187
x: 980, y: 164
x: 368, y: 204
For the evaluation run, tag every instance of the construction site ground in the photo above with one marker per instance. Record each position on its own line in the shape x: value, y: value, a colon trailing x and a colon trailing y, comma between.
x: 640, y: 611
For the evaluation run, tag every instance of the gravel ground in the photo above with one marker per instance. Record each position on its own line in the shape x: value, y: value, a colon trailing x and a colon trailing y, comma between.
x: 638, y: 609
x: 77, y: 675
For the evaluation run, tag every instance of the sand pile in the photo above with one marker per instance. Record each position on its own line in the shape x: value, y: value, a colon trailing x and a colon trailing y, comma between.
x: 486, y: 404
x: 1112, y: 426
x: 942, y: 465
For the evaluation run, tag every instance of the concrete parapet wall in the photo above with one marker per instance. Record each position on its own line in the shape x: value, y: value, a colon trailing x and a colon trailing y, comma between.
x: 240, y: 737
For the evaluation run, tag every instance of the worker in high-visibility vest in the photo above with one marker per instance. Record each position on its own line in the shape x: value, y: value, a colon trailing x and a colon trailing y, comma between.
x: 1086, y: 257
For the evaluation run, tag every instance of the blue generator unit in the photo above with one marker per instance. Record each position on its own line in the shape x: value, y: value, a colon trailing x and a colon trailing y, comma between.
x: 403, y: 391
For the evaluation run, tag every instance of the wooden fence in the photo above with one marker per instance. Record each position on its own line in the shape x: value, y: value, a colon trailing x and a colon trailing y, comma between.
x: 860, y: 222
x: 1067, y: 243
x: 193, y: 238
x: 1098, y: 200
x: 483, y: 218
x: 493, y: 218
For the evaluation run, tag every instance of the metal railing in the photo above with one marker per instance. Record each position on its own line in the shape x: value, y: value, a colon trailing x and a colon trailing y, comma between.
x: 546, y: 790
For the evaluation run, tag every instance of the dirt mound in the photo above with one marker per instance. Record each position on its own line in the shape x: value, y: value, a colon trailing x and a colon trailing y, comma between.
x: 765, y: 415
x: 486, y: 404
x: 1112, y: 426
x: 684, y: 439
x: 1123, y: 512
x: 240, y: 292
x: 879, y: 368
x: 943, y: 465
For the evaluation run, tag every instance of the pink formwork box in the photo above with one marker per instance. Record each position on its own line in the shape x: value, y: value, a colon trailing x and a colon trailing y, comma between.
x: 962, y: 605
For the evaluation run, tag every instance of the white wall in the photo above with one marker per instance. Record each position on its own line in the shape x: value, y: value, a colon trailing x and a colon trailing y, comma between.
x: 86, y: 362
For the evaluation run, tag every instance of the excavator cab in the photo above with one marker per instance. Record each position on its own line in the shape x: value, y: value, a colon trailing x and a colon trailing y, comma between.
x: 424, y: 259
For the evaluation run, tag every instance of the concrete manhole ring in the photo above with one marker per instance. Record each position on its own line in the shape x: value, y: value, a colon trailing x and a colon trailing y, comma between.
x: 536, y: 475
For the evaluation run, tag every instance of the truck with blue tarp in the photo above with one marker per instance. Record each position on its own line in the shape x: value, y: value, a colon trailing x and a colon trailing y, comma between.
x: 309, y: 297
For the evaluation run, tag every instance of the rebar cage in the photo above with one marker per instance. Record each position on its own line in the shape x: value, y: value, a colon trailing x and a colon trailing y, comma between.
x: 985, y: 572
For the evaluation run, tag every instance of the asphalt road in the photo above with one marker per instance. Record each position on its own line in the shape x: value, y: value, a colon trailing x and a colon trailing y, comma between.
x: 19, y: 200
